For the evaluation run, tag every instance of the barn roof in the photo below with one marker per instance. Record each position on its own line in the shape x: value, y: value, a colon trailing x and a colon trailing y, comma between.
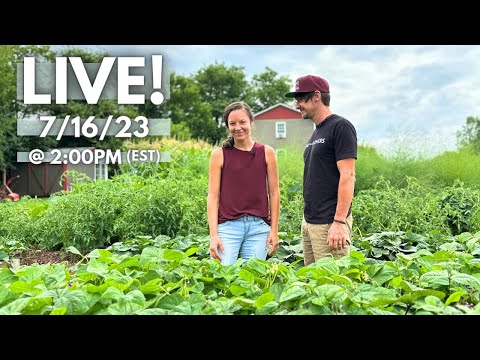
x: 278, y: 111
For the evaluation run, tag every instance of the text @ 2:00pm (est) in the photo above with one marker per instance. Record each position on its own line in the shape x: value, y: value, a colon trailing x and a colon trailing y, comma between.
x: 95, y: 156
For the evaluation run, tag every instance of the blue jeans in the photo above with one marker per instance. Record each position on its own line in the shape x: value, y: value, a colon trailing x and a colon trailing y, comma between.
x: 246, y: 236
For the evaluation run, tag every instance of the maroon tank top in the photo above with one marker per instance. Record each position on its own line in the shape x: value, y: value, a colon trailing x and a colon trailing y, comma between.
x: 243, y: 185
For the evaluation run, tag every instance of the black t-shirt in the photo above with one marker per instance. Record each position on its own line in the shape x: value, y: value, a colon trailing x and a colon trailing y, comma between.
x: 333, y: 139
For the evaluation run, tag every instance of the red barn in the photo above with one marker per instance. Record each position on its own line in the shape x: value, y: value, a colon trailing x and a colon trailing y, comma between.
x: 282, y: 127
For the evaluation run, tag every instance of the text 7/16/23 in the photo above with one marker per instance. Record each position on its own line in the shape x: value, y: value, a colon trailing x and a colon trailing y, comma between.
x: 90, y: 127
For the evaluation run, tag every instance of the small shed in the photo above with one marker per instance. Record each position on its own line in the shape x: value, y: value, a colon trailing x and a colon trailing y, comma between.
x: 44, y: 179
x: 282, y: 127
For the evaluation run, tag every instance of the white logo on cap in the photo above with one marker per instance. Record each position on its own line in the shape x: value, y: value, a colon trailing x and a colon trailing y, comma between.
x: 297, y: 85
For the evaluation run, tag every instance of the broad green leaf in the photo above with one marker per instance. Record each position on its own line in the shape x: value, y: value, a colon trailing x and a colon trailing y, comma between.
x: 455, y: 297
x: 272, y: 307
x: 347, y: 261
x: 123, y: 282
x: 94, y: 254
x: 130, y: 262
x: 6, y: 295
x: 59, y: 311
x: 257, y: 265
x: 129, y: 304
x: 474, y: 263
x: 155, y: 311
x: 224, y: 307
x: 173, y: 255
x: 327, y: 263
x: 33, y: 272
x: 15, y: 307
x: 325, y: 280
x: 277, y: 289
x: 358, y: 255
x: 409, y: 287
x: 244, y: 302
x: 237, y: 290
x: 341, y: 279
x: 433, y: 301
x: 352, y: 274
x: 385, y: 274
x: 293, y: 292
x: 397, y: 281
x: 97, y: 267
x: 394, y: 241
x: 311, y: 272
x: 375, y: 268
x: 192, y: 251
x: 464, y: 237
x: 75, y: 302
x: 246, y: 275
x: 329, y: 294
x: 378, y: 311
x: 170, y: 301
x: 263, y: 300
x: 37, y: 305
x: 56, y: 277
x: 91, y: 299
x: 465, y: 279
x: 451, y: 247
x: 436, y: 278
x: 6, y: 276
x: 105, y: 256
x: 151, y: 255
x: 442, y: 255
x: 374, y: 296
x: 472, y: 243
x: 112, y: 293
x: 169, y: 287
x: 151, y: 286
x: 20, y: 287
x: 192, y: 305
x: 416, y: 294
x: 74, y: 250
x: 96, y: 288
x: 476, y: 250
x: 187, y: 308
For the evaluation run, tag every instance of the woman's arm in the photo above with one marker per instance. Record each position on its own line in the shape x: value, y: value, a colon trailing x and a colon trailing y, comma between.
x: 274, y: 197
x: 213, y: 197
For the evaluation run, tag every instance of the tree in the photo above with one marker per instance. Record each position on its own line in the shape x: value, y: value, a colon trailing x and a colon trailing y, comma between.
x: 186, y: 105
x: 10, y: 108
x: 221, y: 85
x: 469, y: 136
x: 269, y: 89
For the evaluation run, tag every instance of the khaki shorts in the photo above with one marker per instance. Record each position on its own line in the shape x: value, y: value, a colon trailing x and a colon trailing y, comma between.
x: 315, y: 244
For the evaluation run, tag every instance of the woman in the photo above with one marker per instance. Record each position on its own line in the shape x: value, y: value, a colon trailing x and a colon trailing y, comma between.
x: 243, y: 202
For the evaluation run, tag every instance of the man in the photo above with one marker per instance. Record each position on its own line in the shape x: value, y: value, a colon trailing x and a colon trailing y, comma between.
x: 329, y: 173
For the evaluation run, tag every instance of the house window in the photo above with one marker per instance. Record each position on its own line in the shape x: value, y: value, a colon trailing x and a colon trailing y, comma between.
x: 280, y: 129
x: 101, y: 171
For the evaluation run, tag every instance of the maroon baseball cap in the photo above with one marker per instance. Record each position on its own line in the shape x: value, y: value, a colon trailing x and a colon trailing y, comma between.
x: 309, y: 83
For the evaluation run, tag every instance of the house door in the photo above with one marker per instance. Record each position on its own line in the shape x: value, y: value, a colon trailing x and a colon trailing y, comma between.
x: 45, y: 179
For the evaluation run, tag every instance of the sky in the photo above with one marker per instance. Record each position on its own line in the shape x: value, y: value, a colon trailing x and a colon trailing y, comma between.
x: 412, y: 98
